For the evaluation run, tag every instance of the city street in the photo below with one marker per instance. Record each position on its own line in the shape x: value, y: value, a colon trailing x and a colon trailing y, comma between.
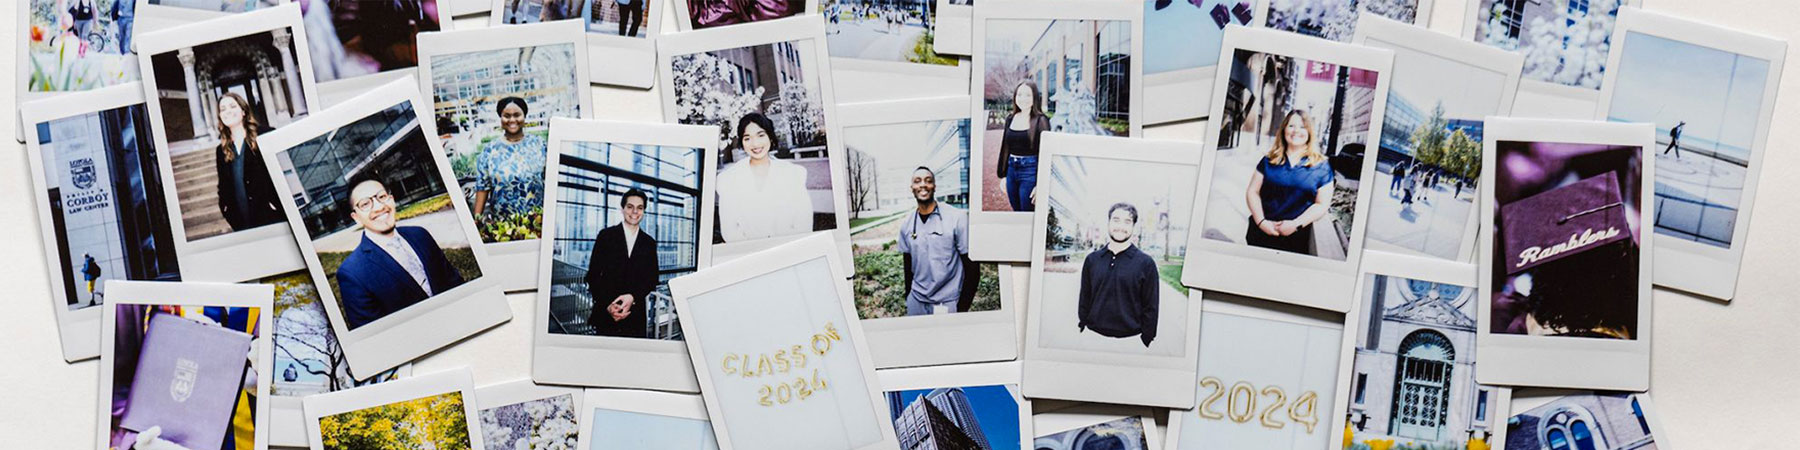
x: 1433, y: 226
x: 872, y: 39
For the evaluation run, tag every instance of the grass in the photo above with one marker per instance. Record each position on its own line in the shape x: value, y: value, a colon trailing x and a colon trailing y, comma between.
x: 1118, y: 127
x: 923, y: 52
x: 462, y: 258
x: 880, y: 285
x: 422, y: 207
x: 859, y: 221
x: 1171, y: 275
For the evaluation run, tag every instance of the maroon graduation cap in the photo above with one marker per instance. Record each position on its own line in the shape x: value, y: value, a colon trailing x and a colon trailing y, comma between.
x: 1554, y: 224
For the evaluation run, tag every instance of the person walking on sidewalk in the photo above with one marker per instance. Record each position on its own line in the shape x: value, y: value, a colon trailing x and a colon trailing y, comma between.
x: 1675, y: 140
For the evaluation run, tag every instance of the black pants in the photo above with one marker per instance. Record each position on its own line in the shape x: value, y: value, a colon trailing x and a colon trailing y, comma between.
x: 630, y: 18
x: 1299, y: 242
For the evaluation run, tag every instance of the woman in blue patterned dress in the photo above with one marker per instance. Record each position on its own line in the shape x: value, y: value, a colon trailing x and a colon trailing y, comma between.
x: 509, y: 173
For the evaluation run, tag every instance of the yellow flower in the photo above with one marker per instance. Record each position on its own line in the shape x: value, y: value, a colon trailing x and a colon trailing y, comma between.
x: 1380, y: 444
x: 1476, y: 443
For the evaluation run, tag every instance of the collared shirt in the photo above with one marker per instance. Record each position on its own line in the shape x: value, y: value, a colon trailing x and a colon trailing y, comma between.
x: 631, y: 234
x: 936, y: 242
x: 1120, y: 294
x: 402, y: 252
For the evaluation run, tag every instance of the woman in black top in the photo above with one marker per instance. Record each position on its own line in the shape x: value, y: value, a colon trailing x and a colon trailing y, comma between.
x: 246, y: 195
x: 1019, y: 146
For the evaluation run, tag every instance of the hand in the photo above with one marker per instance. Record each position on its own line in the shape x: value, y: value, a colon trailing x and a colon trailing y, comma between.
x: 624, y: 301
x: 1287, y: 227
x: 1033, y: 196
x: 1268, y: 228
x: 150, y: 440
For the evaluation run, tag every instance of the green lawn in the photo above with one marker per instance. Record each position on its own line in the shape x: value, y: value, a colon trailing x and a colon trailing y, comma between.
x: 880, y: 286
x: 462, y: 258
x: 1171, y: 275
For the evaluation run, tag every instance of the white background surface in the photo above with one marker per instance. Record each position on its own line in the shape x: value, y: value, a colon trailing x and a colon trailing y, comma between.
x: 1723, y: 375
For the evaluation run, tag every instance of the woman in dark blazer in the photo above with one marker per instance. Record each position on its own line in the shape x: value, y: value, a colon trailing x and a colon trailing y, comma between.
x: 246, y: 194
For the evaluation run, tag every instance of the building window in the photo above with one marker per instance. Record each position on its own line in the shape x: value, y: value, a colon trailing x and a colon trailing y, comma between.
x: 1362, y: 385
x: 1567, y: 429
x: 1422, y: 385
x: 1513, y: 17
x: 1481, y: 405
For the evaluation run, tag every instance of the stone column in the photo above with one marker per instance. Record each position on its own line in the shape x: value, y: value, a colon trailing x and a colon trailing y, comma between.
x: 288, y: 70
x: 196, y: 111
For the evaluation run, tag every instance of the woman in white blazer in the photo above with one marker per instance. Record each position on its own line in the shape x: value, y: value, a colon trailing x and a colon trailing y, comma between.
x: 762, y: 197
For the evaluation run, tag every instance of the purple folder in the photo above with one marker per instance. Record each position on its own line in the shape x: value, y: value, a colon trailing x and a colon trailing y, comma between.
x: 1554, y: 224
x: 187, y: 381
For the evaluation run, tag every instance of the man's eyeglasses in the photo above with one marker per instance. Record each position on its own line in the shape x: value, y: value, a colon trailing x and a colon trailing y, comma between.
x: 365, y: 204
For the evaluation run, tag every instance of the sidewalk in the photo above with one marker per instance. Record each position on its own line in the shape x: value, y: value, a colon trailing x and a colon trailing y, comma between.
x: 1432, y: 226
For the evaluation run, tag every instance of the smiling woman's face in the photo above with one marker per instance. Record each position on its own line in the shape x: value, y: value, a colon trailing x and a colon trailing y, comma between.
x: 1296, y: 133
x: 512, y: 119
x: 230, y: 113
x: 1022, y: 97
x: 755, y: 141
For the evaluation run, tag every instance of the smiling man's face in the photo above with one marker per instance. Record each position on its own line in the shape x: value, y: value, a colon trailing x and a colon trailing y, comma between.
x: 372, y: 207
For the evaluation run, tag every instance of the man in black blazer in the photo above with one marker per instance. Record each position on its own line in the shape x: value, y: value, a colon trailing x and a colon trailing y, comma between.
x: 622, y: 271
x: 394, y: 266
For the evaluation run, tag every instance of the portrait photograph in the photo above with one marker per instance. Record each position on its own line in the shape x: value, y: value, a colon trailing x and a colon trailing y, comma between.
x: 1427, y: 173
x: 1565, y: 42
x: 97, y: 195
x: 772, y: 103
x: 1412, y: 381
x: 1565, y: 265
x: 521, y: 415
x: 1268, y: 372
x: 628, y: 419
x: 185, y: 366
x: 435, y: 411
x: 1552, y: 420
x: 217, y: 87
x: 1181, y: 54
x: 1710, y: 92
x: 74, y: 45
x: 973, y: 406
x: 1336, y: 20
x: 1109, y: 320
x: 702, y: 14
x: 1297, y: 121
x: 352, y: 38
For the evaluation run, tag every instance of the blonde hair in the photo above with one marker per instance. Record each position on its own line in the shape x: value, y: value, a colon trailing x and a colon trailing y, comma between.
x: 1278, y: 152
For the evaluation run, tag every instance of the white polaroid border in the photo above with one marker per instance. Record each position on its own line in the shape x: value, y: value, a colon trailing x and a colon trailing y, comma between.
x: 955, y: 23
x: 1380, y: 32
x: 1421, y: 19
x: 515, y: 263
x: 1546, y: 99
x: 1070, y: 417
x: 422, y: 328
x: 1554, y: 361
x: 684, y: 21
x: 680, y: 406
x: 22, y: 92
x: 1412, y: 268
x: 152, y: 17
x: 1532, y: 398
x: 1686, y: 265
x: 813, y: 247
x: 1099, y: 376
x: 1219, y: 303
x: 335, y: 91
x: 79, y: 330
x: 459, y: 8
x: 966, y: 337
x: 457, y: 380
x: 287, y: 415
x: 612, y: 59
x: 794, y: 29
x: 867, y: 80
x: 997, y: 235
x: 963, y: 376
x: 1246, y: 270
x: 606, y: 361
x: 245, y: 254
x: 124, y: 292
x: 522, y: 390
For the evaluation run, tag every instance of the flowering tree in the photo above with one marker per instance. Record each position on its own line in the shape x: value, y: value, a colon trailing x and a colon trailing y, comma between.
x: 545, y: 424
x: 1334, y: 19
x: 431, y: 422
x: 799, y: 113
x: 704, y: 94
x: 1568, y: 47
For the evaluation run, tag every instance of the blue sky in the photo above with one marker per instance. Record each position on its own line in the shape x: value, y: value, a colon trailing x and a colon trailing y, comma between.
x: 994, y: 408
x: 1180, y: 36
x: 622, y: 430
x: 1664, y: 81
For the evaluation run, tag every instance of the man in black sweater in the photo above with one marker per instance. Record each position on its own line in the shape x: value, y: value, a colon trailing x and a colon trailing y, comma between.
x: 622, y: 271
x: 1119, y: 284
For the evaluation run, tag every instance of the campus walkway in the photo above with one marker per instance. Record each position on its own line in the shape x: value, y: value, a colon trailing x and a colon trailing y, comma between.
x: 872, y: 39
x: 1432, y: 226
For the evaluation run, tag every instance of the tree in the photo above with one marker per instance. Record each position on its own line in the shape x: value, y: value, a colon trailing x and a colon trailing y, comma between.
x: 1464, y: 155
x: 544, y: 424
x: 800, y: 115
x: 1429, y: 138
x: 435, y: 422
x: 1569, y: 48
x: 860, y: 169
x: 704, y: 94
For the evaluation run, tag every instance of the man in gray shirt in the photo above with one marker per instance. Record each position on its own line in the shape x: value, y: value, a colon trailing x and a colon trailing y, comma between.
x: 934, y: 241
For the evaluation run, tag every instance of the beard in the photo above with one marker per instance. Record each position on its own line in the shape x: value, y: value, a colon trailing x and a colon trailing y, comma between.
x: 1118, y: 240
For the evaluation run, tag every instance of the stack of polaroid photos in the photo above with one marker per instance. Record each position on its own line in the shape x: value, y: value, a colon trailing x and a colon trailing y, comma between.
x: 879, y: 224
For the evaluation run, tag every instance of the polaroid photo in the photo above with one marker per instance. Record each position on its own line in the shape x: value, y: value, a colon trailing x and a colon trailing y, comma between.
x: 693, y: 15
x: 976, y: 406
x: 955, y: 23
x: 379, y: 217
x: 1268, y: 375
x: 1566, y: 44
x: 767, y: 88
x: 1181, y: 48
x: 522, y: 414
x: 459, y: 8
x: 220, y: 84
x: 629, y: 213
x: 1565, y: 256
x: 1105, y: 233
x: 308, y: 359
x: 184, y: 365
x: 1428, y: 170
x: 907, y: 157
x: 885, y: 50
x: 622, y: 419
x: 1069, y: 67
x: 1280, y: 198
x: 1337, y: 20
x: 358, y: 45
x: 1096, y: 426
x: 157, y: 15
x: 95, y: 184
x: 1548, y: 419
x: 621, y: 34
x: 443, y: 402
x: 1409, y: 364
x: 1710, y: 91
x: 53, y: 58
x: 781, y: 359
x: 493, y: 92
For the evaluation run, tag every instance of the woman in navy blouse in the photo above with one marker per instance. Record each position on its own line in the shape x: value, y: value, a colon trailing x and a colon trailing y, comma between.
x: 1291, y: 189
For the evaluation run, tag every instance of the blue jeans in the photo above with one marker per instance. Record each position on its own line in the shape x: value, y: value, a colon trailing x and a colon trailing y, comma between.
x: 1021, y: 179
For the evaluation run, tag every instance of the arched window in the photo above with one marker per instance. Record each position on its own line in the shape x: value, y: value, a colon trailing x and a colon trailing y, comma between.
x: 1568, y: 428
x: 1423, y: 370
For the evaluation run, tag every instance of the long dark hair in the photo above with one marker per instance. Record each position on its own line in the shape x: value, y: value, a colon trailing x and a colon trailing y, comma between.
x: 250, y: 126
x: 760, y: 120
x: 1037, y: 99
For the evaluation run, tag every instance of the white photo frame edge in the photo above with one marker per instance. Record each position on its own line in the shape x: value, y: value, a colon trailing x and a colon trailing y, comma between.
x: 1472, y: 13
x: 604, y: 49
x: 653, y: 403
x: 1006, y: 374
x: 684, y: 21
x: 458, y: 380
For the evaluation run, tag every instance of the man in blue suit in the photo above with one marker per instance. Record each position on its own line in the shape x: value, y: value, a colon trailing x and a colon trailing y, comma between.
x: 394, y: 266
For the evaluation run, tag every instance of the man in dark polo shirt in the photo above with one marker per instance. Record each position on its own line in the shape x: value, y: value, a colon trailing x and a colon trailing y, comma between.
x: 1119, y: 283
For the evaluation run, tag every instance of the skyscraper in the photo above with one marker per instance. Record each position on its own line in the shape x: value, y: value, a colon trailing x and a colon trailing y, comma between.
x: 943, y: 420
